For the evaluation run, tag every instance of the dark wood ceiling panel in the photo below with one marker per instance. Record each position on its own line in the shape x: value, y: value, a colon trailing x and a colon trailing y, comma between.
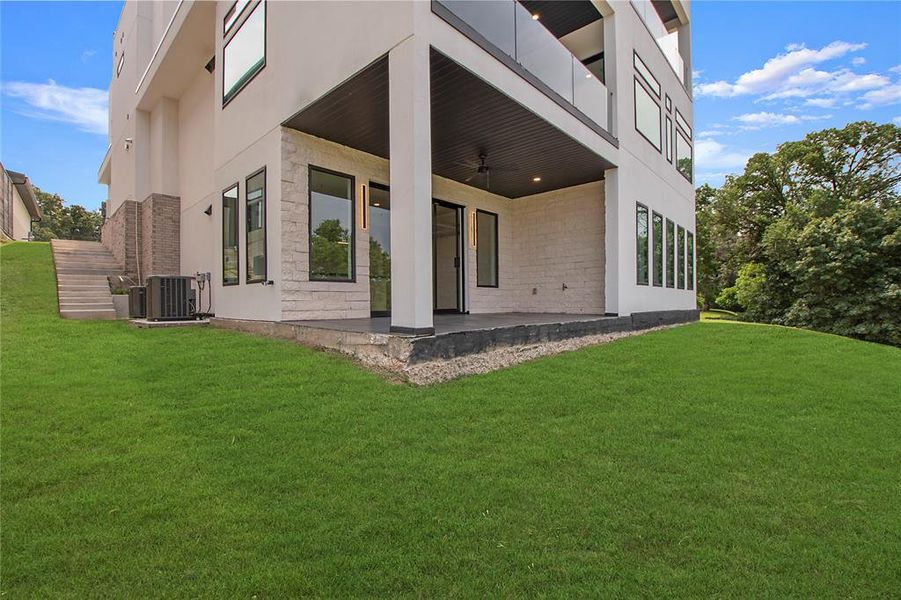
x: 469, y: 118
x: 561, y: 17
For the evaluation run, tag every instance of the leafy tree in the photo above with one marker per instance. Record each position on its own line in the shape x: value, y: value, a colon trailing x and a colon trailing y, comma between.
x: 64, y: 222
x: 808, y: 235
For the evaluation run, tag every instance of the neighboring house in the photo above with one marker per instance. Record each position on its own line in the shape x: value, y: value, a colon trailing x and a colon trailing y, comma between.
x: 18, y: 206
x: 540, y: 156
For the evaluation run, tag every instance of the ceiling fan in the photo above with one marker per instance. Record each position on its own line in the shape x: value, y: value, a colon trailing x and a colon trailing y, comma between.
x: 483, y: 170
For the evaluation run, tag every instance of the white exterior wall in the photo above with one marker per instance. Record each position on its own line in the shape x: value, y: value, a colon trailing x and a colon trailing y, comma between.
x: 21, y: 217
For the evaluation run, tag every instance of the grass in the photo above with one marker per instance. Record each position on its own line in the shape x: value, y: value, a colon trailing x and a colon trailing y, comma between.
x: 713, y: 459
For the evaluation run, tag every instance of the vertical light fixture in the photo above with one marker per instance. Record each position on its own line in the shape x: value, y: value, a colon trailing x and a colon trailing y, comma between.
x: 364, y: 207
x: 473, y: 229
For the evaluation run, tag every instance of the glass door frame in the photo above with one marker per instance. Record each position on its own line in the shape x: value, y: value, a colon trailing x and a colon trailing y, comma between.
x: 459, y: 211
x: 386, y: 188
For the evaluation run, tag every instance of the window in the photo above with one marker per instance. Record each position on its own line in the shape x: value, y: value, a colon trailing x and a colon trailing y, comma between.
x: 683, y: 155
x: 645, y: 73
x: 670, y: 254
x: 486, y: 249
x: 641, y: 244
x: 120, y: 64
x: 230, y: 236
x: 658, y: 250
x: 669, y: 104
x: 379, y: 249
x: 669, y: 139
x: 245, y: 53
x: 681, y: 122
x: 680, y: 261
x: 690, y: 249
x: 647, y: 115
x: 331, y: 226
x: 255, y: 193
x: 233, y: 13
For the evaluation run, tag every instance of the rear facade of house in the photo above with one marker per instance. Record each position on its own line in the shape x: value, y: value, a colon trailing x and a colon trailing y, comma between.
x: 337, y: 160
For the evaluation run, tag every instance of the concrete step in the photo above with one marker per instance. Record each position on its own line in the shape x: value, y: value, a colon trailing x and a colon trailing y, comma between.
x: 82, y: 280
x: 89, y: 313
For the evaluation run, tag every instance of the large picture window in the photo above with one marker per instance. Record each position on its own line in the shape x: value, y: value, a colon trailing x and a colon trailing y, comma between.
x: 658, y: 250
x: 331, y: 226
x: 690, y: 265
x: 255, y: 195
x: 641, y: 244
x: 244, y: 54
x: 486, y: 249
x: 230, y: 236
x: 683, y: 155
x: 670, y: 254
x: 647, y: 115
x: 680, y: 261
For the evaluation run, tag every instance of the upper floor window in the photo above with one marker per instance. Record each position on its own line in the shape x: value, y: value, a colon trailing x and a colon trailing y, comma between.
x: 684, y: 157
x: 244, y: 53
x: 231, y: 17
x: 120, y: 64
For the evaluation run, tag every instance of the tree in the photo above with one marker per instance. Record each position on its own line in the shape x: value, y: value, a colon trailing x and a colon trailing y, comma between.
x: 64, y: 222
x: 808, y: 235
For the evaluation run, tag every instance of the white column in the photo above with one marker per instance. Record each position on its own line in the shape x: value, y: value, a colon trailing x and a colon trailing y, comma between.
x: 411, y: 187
x: 611, y: 242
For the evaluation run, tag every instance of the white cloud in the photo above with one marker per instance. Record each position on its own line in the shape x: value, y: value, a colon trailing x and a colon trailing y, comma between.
x: 858, y: 61
x: 821, y: 102
x: 84, y: 107
x: 883, y: 97
x: 895, y: 69
x: 761, y: 120
x: 87, y: 54
x: 775, y: 74
x: 897, y: 120
x: 711, y: 154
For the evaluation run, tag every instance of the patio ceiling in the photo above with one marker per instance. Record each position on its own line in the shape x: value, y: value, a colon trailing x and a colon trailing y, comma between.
x: 469, y: 117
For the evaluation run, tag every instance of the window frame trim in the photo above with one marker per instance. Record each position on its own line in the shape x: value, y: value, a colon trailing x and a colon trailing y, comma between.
x: 235, y: 185
x: 647, y: 214
x: 226, y: 40
x: 265, y: 227
x: 662, y: 249
x: 670, y: 261
x: 497, y: 247
x: 638, y: 82
x: 353, y: 225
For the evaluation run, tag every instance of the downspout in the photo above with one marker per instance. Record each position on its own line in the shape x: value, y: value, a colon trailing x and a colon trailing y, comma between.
x: 137, y: 248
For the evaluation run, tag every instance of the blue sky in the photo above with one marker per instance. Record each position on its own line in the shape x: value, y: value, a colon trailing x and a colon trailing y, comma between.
x: 766, y: 72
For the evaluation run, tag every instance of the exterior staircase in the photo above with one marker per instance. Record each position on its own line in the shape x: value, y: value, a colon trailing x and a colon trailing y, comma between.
x: 82, y: 287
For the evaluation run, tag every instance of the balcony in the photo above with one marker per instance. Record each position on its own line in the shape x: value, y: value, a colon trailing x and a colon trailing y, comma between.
x: 668, y: 42
x: 517, y: 37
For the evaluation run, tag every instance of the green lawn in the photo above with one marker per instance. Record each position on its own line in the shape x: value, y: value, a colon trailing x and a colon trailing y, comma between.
x: 713, y: 459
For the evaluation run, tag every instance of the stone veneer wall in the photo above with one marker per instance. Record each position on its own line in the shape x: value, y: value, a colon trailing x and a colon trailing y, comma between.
x: 117, y: 235
x: 545, y: 241
x: 161, y: 235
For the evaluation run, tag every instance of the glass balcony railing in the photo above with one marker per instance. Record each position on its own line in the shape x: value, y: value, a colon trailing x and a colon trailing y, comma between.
x: 668, y: 42
x: 510, y: 28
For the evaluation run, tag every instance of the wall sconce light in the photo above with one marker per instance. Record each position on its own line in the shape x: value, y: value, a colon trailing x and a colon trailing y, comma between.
x: 473, y: 229
x: 128, y: 143
x: 364, y: 207
x: 209, y: 210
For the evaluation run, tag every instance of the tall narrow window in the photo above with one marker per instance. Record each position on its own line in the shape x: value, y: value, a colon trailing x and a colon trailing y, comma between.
x: 641, y: 244
x: 379, y: 249
x: 244, y: 54
x: 690, y: 265
x: 683, y: 155
x: 670, y: 254
x: 331, y: 226
x: 255, y: 194
x: 486, y: 249
x: 658, y: 250
x: 680, y: 261
x: 230, y: 236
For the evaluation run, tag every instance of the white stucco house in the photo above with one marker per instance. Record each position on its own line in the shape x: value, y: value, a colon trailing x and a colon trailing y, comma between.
x: 347, y: 160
